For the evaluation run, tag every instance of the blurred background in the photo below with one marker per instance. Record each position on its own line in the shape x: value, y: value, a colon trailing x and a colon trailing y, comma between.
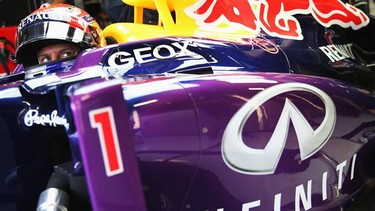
x: 12, y: 11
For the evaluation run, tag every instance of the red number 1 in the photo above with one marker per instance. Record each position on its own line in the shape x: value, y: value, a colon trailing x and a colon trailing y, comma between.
x: 103, y: 120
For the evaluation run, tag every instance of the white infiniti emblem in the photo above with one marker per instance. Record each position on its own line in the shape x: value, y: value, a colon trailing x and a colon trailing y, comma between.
x: 247, y: 160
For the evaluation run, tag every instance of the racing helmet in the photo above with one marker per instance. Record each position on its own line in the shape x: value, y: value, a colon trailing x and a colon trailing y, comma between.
x: 52, y: 24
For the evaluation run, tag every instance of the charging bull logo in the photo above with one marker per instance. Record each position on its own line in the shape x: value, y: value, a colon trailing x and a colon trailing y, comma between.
x: 244, y: 159
x: 275, y: 17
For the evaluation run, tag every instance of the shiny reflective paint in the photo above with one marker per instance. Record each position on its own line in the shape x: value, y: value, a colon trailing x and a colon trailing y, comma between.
x: 173, y: 124
x: 264, y: 161
x: 176, y: 125
x: 309, y: 183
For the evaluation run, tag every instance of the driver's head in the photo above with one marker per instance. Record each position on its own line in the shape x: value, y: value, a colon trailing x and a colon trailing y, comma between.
x: 56, y: 31
x: 57, y: 51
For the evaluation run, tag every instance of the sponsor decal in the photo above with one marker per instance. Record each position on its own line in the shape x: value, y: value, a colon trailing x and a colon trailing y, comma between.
x: 68, y: 14
x: 32, y: 117
x: 103, y: 120
x: 246, y: 160
x: 276, y: 18
x: 337, y: 53
x: 125, y: 59
x: 41, y: 16
x: 303, y: 192
x: 263, y: 43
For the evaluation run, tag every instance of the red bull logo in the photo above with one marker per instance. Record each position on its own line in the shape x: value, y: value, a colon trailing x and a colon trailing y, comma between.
x: 275, y: 17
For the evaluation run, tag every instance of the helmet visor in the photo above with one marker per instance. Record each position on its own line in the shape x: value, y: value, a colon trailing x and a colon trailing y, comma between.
x: 35, y: 36
x: 50, y: 30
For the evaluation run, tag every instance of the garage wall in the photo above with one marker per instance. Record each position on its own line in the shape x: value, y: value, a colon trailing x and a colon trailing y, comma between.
x: 12, y: 11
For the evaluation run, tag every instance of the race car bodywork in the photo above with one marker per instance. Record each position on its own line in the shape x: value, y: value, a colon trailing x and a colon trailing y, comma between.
x: 185, y: 122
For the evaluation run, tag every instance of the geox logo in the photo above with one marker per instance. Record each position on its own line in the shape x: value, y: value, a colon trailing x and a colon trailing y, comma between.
x: 149, y: 54
x: 244, y: 159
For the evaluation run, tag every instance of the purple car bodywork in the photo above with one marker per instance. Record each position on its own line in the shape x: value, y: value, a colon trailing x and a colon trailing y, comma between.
x: 202, y: 124
x: 183, y: 124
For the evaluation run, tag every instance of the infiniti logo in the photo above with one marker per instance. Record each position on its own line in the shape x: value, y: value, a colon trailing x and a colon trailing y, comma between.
x: 241, y: 158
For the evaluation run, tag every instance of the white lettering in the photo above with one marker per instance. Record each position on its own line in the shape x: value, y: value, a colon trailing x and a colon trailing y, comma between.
x: 141, y: 57
x: 324, y: 186
x: 300, y: 194
x: 123, y: 58
x: 32, y: 117
x: 338, y: 52
x: 148, y: 54
x: 40, y: 16
x: 340, y: 169
x: 247, y: 206
x: 277, y: 202
x: 171, y: 51
x: 353, y: 167
x: 329, y: 53
x: 183, y: 49
x: 346, y: 50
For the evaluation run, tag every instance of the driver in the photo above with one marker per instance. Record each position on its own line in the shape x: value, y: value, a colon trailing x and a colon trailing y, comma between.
x: 55, y: 32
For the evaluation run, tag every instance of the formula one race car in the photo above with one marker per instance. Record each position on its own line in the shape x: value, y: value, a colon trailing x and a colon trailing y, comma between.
x: 225, y: 105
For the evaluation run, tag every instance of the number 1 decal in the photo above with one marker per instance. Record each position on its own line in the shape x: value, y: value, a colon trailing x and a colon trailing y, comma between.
x: 104, y: 121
